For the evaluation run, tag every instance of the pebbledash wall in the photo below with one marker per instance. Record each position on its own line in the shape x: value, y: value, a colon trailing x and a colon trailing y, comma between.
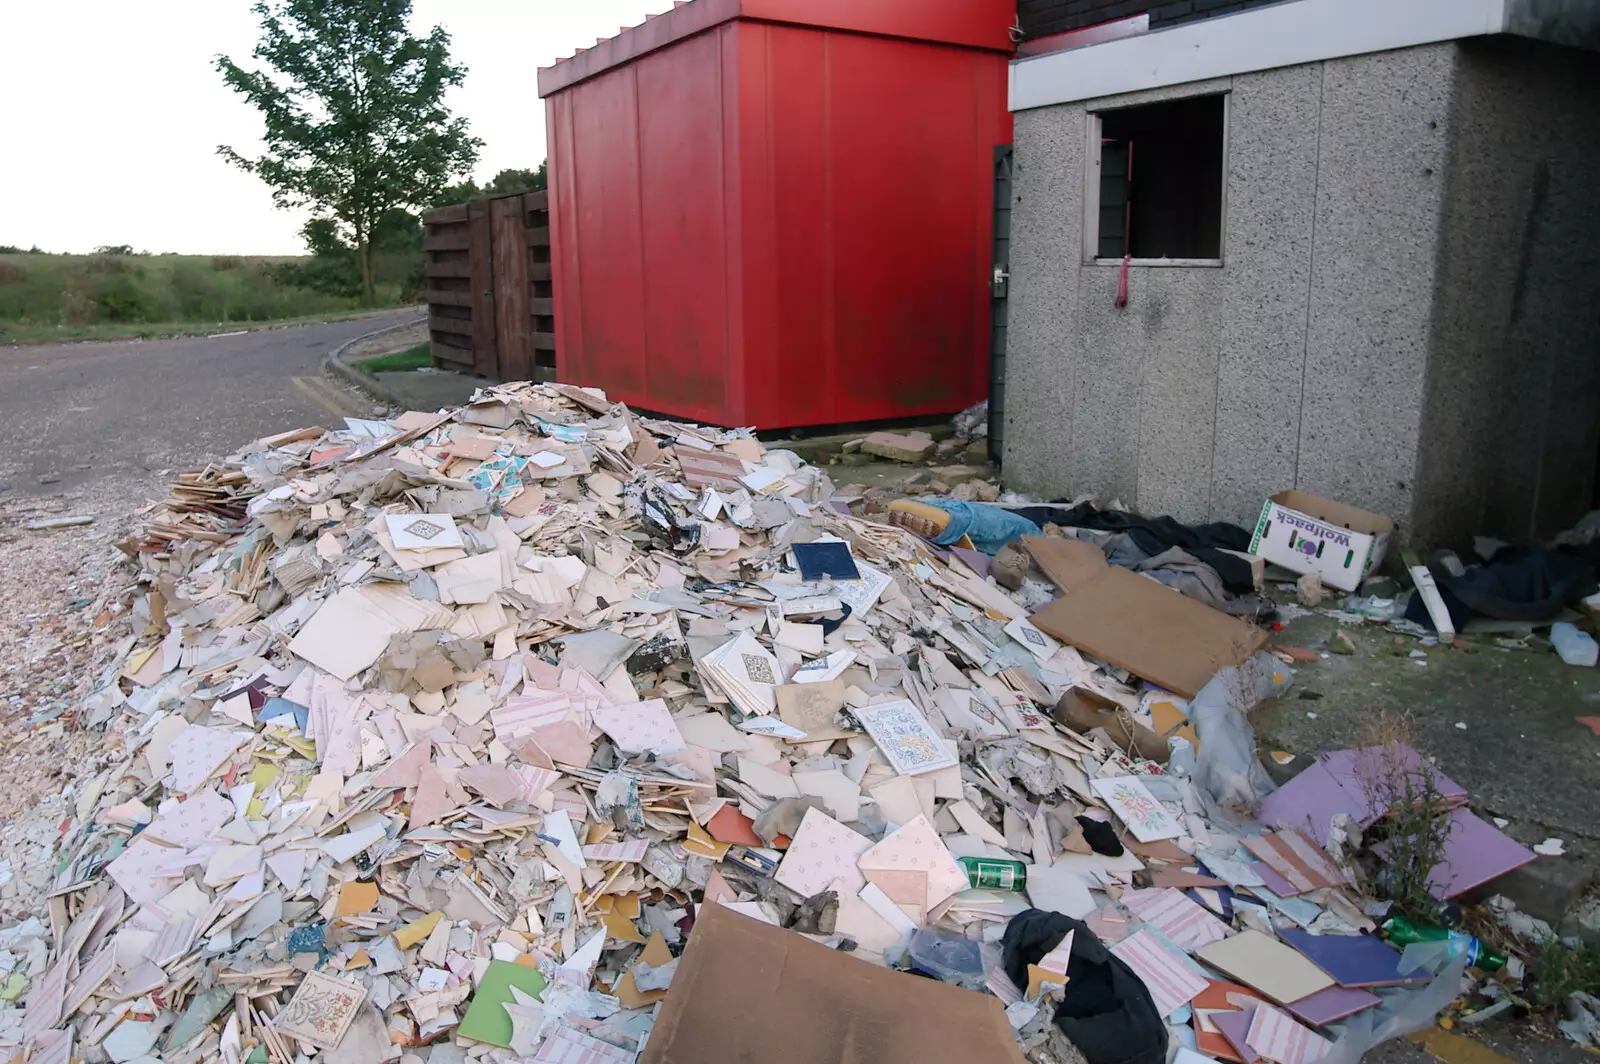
x: 1407, y: 312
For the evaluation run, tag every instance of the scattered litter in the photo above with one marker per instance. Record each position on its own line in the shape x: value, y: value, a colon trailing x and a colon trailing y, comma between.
x: 1340, y: 544
x: 1576, y: 647
x: 541, y: 730
x: 1550, y: 848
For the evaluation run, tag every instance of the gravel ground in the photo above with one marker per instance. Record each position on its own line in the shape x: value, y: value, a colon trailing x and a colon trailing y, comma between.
x: 97, y: 430
x: 63, y: 607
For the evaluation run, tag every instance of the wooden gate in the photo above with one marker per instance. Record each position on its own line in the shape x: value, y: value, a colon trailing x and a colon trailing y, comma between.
x: 490, y: 299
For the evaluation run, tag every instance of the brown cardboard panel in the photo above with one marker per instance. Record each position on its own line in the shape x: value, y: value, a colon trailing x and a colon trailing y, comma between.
x: 745, y: 991
x: 1069, y: 563
x: 1150, y: 630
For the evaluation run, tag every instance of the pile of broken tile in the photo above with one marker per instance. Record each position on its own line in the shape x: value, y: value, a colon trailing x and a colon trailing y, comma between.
x: 434, y: 734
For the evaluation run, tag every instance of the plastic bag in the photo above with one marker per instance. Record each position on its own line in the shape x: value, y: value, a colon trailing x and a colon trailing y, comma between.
x: 1404, y: 1010
x: 950, y: 957
x: 1227, y: 771
x: 991, y: 527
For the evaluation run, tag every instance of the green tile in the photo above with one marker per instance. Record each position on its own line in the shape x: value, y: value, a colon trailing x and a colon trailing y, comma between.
x: 486, y: 1019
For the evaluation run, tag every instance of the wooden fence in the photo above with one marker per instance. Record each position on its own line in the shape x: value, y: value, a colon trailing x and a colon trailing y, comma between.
x: 491, y: 308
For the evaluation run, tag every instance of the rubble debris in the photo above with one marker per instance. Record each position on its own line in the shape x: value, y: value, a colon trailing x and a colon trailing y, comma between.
x: 541, y: 730
x: 45, y: 524
x: 972, y: 423
x: 1432, y: 604
x: 899, y: 447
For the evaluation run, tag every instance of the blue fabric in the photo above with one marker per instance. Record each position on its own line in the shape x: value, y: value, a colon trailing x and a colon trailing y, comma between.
x: 989, y: 527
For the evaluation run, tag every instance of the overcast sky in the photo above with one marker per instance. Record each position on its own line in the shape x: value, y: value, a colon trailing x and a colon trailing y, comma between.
x: 113, y: 113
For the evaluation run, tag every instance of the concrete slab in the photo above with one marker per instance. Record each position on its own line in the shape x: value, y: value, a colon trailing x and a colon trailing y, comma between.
x: 1498, y: 721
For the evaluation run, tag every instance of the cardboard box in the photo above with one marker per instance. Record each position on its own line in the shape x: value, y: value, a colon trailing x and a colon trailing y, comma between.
x: 745, y: 990
x: 1309, y: 534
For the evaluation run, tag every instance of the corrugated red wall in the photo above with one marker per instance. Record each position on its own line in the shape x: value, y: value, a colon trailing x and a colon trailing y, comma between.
x: 781, y: 225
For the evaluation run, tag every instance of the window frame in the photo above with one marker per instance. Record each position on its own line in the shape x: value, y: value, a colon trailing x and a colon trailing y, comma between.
x: 1091, y: 186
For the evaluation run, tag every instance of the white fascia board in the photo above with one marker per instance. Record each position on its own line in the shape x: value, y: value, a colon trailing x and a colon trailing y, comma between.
x: 1287, y: 34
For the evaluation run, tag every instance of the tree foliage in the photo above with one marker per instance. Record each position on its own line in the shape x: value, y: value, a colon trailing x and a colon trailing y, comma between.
x: 506, y: 182
x: 356, y: 127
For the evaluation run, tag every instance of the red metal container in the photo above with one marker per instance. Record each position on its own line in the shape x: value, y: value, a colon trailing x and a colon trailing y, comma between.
x: 778, y: 212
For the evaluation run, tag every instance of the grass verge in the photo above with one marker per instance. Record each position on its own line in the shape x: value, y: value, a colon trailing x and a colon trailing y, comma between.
x: 13, y: 333
x: 398, y: 362
x: 91, y: 297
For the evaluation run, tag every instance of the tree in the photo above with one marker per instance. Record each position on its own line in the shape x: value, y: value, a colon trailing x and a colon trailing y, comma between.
x: 465, y: 192
x: 506, y: 182
x: 518, y: 181
x: 355, y: 115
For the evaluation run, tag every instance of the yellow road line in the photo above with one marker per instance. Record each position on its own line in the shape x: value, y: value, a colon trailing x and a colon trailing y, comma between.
x: 1457, y: 1049
x: 314, y: 390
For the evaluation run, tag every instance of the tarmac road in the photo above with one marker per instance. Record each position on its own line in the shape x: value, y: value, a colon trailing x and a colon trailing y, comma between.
x: 78, y: 414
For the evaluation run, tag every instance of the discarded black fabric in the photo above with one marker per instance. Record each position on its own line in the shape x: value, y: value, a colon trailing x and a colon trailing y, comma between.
x: 1101, y: 837
x: 1156, y: 535
x: 829, y: 627
x: 1107, y: 1013
x: 1520, y: 583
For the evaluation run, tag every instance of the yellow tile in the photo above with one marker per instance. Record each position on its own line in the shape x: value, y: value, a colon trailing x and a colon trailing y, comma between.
x: 621, y: 928
x: 355, y: 898
x: 417, y: 930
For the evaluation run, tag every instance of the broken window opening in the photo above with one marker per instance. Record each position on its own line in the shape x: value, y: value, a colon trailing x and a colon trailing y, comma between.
x: 1161, y: 180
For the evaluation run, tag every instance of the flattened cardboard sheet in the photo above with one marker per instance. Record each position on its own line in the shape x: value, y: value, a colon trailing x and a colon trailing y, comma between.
x: 1069, y: 563
x: 746, y: 991
x: 1152, y: 631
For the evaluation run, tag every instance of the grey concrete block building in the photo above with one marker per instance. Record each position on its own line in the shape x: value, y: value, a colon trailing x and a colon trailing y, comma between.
x: 1363, y: 247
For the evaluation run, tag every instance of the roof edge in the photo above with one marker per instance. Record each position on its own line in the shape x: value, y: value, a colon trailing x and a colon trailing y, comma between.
x: 983, y: 25
x: 1265, y: 38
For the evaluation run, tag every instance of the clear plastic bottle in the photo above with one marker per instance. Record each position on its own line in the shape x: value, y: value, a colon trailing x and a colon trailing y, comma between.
x: 1575, y: 647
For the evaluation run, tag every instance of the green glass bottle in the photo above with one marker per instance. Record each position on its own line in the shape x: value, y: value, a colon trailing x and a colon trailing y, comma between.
x: 1403, y: 932
x: 993, y: 873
